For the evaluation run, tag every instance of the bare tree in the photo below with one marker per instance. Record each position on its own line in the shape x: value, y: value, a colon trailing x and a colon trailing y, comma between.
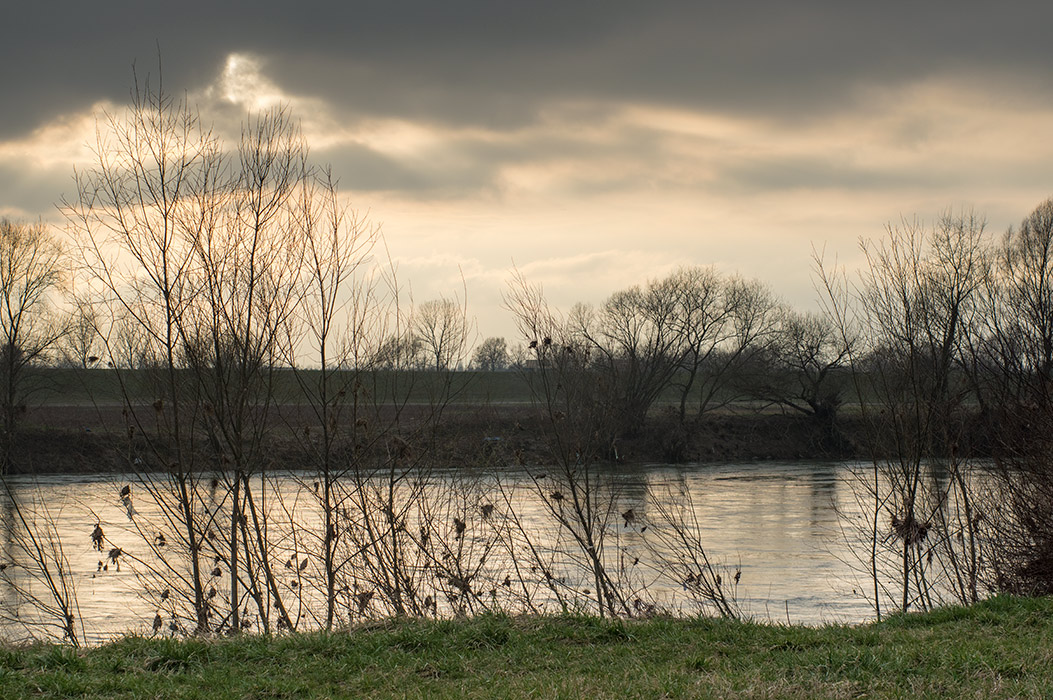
x: 638, y: 344
x: 43, y: 584
x: 1014, y: 350
x: 705, y: 311
x: 753, y: 318
x: 579, y: 427
x: 336, y: 331
x: 1011, y: 362
x: 491, y: 355
x: 442, y: 328
x: 138, y: 217
x: 31, y: 263
x: 198, y: 249
x: 916, y: 299
x: 80, y: 345
x: 803, y: 370
x: 401, y: 351
x: 128, y: 344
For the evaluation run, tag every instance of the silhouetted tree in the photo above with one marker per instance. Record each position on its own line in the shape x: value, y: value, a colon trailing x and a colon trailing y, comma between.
x: 441, y: 327
x: 491, y: 355
x: 802, y: 370
x: 196, y: 248
x: 1011, y: 362
x: 912, y: 310
x: 80, y: 345
x: 31, y: 261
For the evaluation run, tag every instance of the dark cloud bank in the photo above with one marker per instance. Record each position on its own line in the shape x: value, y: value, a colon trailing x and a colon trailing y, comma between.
x: 496, y: 63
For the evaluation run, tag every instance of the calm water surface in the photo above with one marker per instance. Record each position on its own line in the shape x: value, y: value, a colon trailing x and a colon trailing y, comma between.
x: 775, y: 521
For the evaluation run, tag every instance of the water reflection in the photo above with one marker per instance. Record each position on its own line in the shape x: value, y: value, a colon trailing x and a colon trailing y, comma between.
x: 775, y: 523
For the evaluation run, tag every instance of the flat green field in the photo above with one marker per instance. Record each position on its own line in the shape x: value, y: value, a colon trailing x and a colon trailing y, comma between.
x: 1002, y: 648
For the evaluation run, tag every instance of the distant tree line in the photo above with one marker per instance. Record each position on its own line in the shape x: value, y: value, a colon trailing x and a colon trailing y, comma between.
x: 696, y: 340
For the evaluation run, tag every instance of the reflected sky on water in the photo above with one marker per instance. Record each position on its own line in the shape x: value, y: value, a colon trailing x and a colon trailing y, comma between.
x: 776, y: 522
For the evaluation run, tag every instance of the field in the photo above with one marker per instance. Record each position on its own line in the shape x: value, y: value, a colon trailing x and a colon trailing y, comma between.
x: 1002, y: 648
x: 75, y: 422
x: 85, y: 387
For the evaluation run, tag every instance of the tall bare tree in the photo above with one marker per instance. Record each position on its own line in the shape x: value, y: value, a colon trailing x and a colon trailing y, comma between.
x: 139, y: 218
x: 31, y: 264
x: 1011, y: 361
x: 332, y: 347
x: 916, y: 300
x: 578, y: 427
x: 199, y: 247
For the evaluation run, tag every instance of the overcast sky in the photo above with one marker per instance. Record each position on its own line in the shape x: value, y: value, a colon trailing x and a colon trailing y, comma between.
x: 591, y: 144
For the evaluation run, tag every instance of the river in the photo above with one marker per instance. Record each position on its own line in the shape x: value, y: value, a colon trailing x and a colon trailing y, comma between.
x: 776, y: 524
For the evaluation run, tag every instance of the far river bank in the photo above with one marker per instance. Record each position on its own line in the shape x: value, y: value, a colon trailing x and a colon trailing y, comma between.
x: 82, y: 438
x: 94, y: 438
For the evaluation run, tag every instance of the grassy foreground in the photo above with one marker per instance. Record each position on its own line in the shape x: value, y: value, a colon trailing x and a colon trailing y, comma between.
x: 1002, y: 648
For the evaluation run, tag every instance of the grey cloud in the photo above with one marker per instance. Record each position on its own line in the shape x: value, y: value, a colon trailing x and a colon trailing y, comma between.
x: 37, y: 193
x: 819, y: 173
x: 780, y: 174
x: 466, y: 165
x: 497, y: 63
x: 365, y: 170
x: 783, y: 59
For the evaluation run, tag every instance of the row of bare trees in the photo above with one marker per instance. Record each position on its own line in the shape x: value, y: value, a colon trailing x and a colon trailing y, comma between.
x: 220, y: 267
x: 942, y: 344
x: 695, y: 340
x: 207, y: 277
x: 946, y: 331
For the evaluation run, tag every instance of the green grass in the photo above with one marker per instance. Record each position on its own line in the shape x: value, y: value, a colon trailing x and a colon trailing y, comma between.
x: 1002, y: 648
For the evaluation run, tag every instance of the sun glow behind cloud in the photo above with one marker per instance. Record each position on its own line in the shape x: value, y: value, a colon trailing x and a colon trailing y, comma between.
x: 242, y: 83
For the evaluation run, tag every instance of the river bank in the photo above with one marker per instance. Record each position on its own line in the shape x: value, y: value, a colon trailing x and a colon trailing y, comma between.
x: 57, y: 438
x: 997, y: 649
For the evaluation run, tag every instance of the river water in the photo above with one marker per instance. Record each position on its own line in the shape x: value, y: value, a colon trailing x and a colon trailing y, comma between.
x: 776, y: 523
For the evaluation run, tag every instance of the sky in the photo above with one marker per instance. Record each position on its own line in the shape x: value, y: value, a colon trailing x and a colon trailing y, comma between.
x: 590, y: 145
